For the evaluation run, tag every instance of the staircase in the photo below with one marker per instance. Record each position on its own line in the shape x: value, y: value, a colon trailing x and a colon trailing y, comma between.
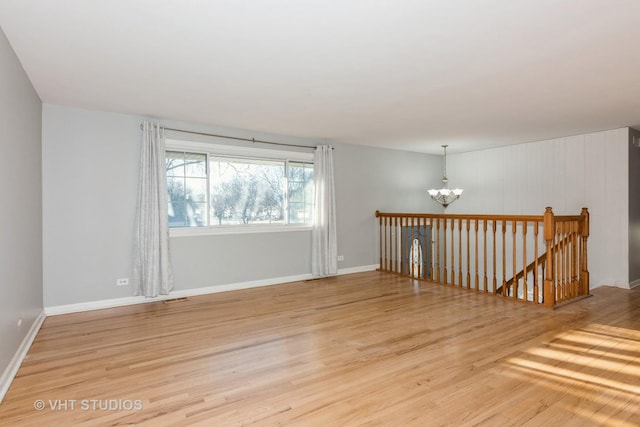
x: 537, y: 259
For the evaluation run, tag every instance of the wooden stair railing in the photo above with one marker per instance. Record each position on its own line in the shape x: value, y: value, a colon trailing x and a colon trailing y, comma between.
x: 539, y: 262
x: 479, y: 252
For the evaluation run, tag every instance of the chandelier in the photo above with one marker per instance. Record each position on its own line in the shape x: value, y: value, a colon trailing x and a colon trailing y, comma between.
x: 445, y: 196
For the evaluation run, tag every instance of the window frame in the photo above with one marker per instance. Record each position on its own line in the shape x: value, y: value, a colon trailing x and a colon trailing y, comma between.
x: 212, y: 149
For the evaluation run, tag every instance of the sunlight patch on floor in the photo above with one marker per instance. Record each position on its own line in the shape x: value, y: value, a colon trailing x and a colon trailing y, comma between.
x: 597, y: 365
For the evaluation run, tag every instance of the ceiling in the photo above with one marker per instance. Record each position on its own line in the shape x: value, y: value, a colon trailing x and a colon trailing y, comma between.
x: 402, y: 74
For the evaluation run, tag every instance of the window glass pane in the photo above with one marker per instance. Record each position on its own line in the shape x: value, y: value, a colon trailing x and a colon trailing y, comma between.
x: 196, y: 165
x: 175, y: 189
x: 175, y: 163
x: 196, y: 189
x: 246, y: 191
x: 196, y: 201
x: 196, y: 214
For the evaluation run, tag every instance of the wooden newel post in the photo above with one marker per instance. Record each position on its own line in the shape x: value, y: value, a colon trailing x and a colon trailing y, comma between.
x: 584, y: 265
x: 379, y: 237
x: 549, y: 235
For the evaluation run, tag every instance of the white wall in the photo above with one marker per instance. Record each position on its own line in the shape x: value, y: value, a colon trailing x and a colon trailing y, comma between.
x: 565, y: 173
x: 21, y: 206
x: 90, y: 182
x: 634, y: 207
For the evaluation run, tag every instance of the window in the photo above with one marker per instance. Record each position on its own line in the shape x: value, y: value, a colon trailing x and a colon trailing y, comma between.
x: 228, y: 187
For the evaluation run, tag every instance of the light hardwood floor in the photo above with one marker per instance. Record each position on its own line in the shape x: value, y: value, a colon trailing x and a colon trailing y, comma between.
x: 363, y: 349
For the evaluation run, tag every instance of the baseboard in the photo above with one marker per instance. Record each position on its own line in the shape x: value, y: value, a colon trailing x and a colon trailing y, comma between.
x: 634, y: 284
x: 10, y: 372
x: 120, y: 302
x: 361, y: 269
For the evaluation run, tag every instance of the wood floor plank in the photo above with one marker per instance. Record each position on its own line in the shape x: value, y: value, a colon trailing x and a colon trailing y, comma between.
x: 362, y: 349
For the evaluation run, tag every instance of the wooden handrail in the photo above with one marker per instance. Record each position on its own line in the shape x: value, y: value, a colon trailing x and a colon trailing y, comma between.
x: 518, y: 218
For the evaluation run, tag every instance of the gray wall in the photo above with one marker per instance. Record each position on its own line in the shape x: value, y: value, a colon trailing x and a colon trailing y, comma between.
x: 21, y: 206
x: 90, y: 183
x: 567, y: 174
x: 370, y: 179
x: 634, y: 206
x: 89, y: 163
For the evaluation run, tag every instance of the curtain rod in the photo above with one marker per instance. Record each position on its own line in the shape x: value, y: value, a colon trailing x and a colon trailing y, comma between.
x: 237, y: 138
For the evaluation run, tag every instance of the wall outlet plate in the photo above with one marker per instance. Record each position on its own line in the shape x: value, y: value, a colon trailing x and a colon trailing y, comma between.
x: 340, y: 257
x: 122, y: 282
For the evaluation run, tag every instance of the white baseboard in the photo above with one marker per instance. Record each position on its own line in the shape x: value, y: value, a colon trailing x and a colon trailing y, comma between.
x: 119, y: 302
x: 634, y: 284
x: 360, y: 269
x: 12, y: 369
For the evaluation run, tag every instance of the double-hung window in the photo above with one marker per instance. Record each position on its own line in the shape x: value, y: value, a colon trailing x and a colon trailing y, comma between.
x: 237, y: 188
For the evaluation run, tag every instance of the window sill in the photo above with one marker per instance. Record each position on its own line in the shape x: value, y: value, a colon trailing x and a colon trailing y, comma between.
x: 235, y: 229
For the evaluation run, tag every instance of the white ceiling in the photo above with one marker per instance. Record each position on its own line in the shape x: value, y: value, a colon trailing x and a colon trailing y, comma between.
x: 396, y: 73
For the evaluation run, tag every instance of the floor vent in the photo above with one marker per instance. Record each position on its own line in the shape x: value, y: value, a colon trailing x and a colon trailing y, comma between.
x: 171, y: 301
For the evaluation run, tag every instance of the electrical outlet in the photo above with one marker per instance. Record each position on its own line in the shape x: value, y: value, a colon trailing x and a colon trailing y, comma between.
x: 340, y: 257
x: 122, y: 282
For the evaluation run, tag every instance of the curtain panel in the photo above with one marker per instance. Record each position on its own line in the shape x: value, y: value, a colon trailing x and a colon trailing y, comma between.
x: 152, y: 274
x: 324, y: 251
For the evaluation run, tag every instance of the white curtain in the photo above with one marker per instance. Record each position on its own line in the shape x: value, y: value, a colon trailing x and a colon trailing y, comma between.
x: 324, y: 251
x: 152, y: 273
